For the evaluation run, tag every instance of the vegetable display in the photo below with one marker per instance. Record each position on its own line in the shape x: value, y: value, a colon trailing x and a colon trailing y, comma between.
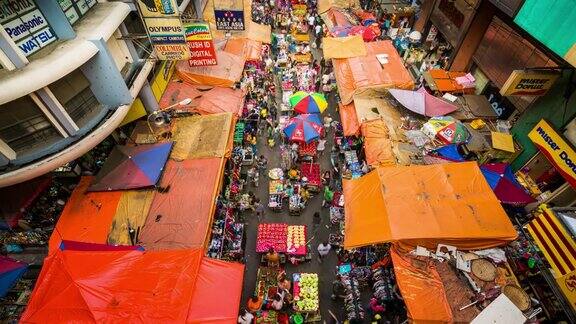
x: 306, y: 292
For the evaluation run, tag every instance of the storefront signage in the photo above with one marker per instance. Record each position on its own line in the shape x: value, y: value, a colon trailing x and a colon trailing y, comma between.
x: 229, y: 19
x: 26, y: 25
x: 556, y: 150
x: 567, y: 284
x: 432, y: 34
x: 502, y: 106
x: 528, y: 83
x: 158, y: 8
x: 168, y: 38
x: 200, y: 43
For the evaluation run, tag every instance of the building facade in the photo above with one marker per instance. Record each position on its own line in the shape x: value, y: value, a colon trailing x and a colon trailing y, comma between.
x: 70, y: 72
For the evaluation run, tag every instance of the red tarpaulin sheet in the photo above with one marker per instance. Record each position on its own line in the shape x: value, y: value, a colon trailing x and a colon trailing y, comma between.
x: 86, y: 217
x: 205, y: 99
x: 15, y: 199
x: 177, y: 286
x: 182, y: 217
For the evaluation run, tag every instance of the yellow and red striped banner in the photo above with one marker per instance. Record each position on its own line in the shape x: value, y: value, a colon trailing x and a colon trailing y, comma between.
x: 555, y: 242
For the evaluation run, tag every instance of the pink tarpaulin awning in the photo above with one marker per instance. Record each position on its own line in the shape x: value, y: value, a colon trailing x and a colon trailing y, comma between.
x: 423, y: 103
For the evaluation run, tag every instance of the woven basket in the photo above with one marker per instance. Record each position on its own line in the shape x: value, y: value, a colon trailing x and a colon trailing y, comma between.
x: 484, y: 270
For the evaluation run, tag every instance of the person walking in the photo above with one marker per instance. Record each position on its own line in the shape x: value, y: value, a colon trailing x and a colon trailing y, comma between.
x: 316, y: 220
x: 321, y: 146
x: 323, y: 250
x: 258, y: 209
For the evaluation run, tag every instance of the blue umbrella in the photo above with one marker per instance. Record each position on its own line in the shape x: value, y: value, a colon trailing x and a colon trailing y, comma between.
x: 10, y: 272
x: 304, y: 128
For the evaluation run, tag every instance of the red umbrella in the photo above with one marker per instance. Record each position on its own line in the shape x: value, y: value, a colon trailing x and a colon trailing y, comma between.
x: 504, y: 184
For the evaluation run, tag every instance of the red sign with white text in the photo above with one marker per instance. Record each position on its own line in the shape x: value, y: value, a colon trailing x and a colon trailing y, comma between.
x: 202, y: 53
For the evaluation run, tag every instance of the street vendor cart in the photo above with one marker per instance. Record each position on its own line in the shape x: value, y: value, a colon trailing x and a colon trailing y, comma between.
x: 276, y: 193
x: 311, y: 171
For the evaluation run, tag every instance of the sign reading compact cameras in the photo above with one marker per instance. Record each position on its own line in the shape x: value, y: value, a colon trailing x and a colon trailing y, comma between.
x: 164, y: 29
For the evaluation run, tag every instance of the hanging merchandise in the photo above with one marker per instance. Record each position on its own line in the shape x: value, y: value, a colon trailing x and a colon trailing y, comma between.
x: 352, y: 301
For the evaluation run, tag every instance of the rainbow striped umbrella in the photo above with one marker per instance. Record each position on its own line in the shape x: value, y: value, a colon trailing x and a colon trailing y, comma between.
x: 308, y: 103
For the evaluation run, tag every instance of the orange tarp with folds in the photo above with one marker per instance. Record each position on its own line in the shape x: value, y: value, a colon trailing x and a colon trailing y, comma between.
x: 182, y: 217
x: 425, y: 205
x: 205, y: 99
x: 356, y: 73
x: 216, y: 276
x: 86, y: 217
x: 349, y: 120
x: 134, y: 286
x: 225, y: 74
x: 250, y: 49
x: 377, y: 144
x: 421, y: 289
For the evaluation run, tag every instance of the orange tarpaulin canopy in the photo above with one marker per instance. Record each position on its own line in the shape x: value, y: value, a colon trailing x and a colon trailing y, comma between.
x: 182, y: 217
x: 205, y: 99
x: 250, y: 49
x: 421, y: 289
x: 349, y: 120
x: 425, y: 205
x: 135, y: 286
x: 225, y: 74
x: 377, y: 144
x: 356, y: 73
x: 86, y: 217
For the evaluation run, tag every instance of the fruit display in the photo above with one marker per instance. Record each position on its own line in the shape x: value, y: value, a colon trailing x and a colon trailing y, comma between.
x: 307, y: 149
x: 312, y: 172
x: 306, y: 292
x: 271, y: 235
x: 296, y: 239
x: 276, y: 187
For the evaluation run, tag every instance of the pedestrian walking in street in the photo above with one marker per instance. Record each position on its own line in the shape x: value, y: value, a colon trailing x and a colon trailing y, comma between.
x: 321, y: 146
x: 328, y: 196
x: 258, y: 209
x: 316, y: 220
x: 262, y: 163
x: 251, y: 174
x: 323, y: 250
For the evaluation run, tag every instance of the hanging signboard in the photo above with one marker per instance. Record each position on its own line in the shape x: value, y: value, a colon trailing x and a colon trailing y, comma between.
x: 528, y: 83
x: 229, y: 19
x: 158, y: 8
x: 556, y: 150
x: 168, y: 38
x: 200, y: 44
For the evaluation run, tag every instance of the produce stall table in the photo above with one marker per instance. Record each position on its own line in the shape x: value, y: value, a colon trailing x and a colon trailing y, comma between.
x: 284, y: 238
x: 305, y: 286
x: 266, y: 279
x: 307, y: 150
x: 276, y: 194
x: 312, y: 172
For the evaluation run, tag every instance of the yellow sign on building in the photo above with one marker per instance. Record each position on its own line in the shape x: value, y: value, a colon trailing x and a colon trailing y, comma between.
x: 528, y: 83
x: 158, y: 8
x: 556, y: 150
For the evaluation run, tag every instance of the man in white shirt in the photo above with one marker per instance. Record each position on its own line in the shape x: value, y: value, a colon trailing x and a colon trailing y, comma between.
x: 311, y: 20
x: 245, y: 317
x: 323, y: 250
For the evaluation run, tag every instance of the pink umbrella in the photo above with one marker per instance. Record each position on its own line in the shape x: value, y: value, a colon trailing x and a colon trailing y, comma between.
x: 423, y: 103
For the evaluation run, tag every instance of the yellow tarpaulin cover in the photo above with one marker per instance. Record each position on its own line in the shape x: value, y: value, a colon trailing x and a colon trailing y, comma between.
x: 357, y: 73
x: 503, y: 141
x: 343, y: 47
x: 377, y: 144
x: 425, y: 205
x: 130, y: 214
x: 324, y: 5
x: 202, y: 136
x: 349, y: 120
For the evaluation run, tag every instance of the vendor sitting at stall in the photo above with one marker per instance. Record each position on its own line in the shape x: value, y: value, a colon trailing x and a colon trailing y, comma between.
x: 273, y: 258
x: 277, y: 302
x: 289, y: 190
x: 283, y: 282
x: 293, y: 174
x: 254, y: 303
x: 304, y: 193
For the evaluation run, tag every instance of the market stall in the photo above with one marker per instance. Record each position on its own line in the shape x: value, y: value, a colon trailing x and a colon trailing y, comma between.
x: 307, y: 151
x: 275, y: 194
x: 283, y: 238
x: 306, y: 292
x: 311, y: 171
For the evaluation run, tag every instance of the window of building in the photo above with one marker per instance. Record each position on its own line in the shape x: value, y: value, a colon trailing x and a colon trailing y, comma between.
x: 74, y: 93
x: 26, y: 25
x: 24, y: 126
x: 76, y: 9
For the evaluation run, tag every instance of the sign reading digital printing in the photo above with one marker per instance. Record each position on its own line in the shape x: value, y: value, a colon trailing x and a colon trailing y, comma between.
x: 556, y: 150
x: 229, y: 19
x: 528, y: 83
x: 26, y: 25
x: 158, y: 8
x: 168, y: 38
x: 200, y: 43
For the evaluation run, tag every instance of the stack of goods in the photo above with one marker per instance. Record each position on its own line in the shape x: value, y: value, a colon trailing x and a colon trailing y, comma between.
x: 306, y: 292
x: 336, y: 215
x: 311, y: 171
x: 215, y: 248
x: 383, y: 282
x: 33, y: 237
x: 265, y: 278
x: 272, y: 236
x: 276, y: 187
x: 307, y: 149
x: 362, y: 274
x: 234, y: 235
x: 266, y: 317
x: 353, y: 165
x: 352, y: 302
x: 335, y: 239
x: 296, y: 240
x: 239, y: 133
